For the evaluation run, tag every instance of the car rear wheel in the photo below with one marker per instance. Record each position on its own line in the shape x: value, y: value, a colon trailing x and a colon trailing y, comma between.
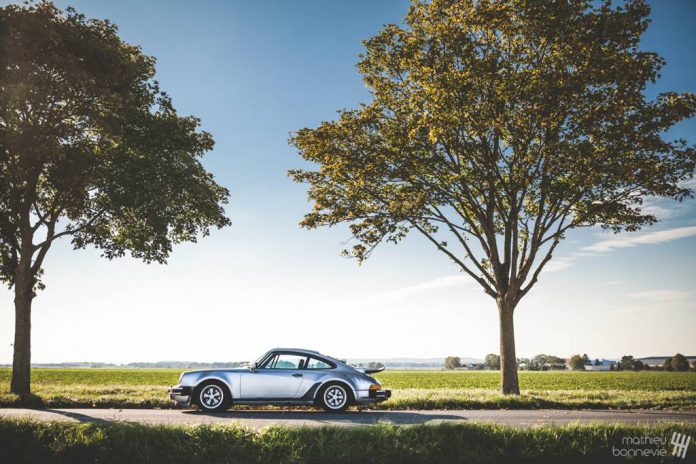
x: 334, y: 397
x: 213, y: 396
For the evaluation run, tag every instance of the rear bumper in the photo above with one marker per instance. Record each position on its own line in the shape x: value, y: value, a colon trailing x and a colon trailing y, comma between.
x: 372, y: 396
x: 380, y: 395
x: 181, y: 395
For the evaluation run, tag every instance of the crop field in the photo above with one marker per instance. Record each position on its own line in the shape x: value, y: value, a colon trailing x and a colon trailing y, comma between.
x: 146, y: 388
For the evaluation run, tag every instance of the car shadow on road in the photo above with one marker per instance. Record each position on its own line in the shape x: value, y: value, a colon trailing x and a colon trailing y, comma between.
x: 79, y: 417
x: 348, y: 417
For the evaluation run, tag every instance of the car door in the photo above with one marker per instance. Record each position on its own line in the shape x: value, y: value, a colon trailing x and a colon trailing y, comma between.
x: 280, y: 377
x: 315, y: 370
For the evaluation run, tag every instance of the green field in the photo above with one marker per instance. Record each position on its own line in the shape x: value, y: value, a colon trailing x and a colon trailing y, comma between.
x: 59, y: 442
x: 143, y: 388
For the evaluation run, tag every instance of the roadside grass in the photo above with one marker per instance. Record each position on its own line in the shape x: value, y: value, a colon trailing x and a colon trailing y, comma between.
x: 26, y: 441
x: 145, y: 388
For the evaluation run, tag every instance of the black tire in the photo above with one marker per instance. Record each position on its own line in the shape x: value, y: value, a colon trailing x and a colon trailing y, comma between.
x: 212, y: 396
x: 335, y: 397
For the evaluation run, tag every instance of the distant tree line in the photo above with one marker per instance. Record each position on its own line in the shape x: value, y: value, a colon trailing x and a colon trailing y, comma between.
x: 545, y: 362
x: 542, y: 362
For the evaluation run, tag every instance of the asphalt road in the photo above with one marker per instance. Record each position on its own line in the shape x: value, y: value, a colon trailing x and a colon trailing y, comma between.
x: 259, y: 419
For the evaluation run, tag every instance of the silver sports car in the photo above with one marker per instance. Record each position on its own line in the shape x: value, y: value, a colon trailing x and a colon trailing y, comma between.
x: 282, y: 376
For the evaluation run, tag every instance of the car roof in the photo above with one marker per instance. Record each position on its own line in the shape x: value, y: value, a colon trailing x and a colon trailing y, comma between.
x: 299, y: 350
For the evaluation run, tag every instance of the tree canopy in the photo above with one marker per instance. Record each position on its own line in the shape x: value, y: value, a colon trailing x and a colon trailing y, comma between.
x: 503, y: 124
x: 90, y: 147
x: 452, y: 362
x: 576, y: 363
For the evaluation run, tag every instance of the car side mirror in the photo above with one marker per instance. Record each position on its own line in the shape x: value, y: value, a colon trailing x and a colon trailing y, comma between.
x: 254, y: 365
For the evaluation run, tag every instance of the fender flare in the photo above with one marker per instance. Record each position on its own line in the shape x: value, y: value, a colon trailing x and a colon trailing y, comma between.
x: 216, y: 378
x: 319, y: 385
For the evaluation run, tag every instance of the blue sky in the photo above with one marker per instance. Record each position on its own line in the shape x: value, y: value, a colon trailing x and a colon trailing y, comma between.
x: 254, y: 72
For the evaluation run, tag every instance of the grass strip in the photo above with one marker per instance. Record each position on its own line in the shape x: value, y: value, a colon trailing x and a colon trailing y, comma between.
x: 26, y: 441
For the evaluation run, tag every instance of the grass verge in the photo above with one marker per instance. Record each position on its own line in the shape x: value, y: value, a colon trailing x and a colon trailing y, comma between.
x: 26, y: 441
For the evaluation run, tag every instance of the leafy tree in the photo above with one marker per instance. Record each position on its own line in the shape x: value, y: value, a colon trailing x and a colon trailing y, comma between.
x: 92, y: 150
x: 597, y: 362
x: 693, y: 366
x: 638, y: 365
x: 494, y: 129
x: 537, y: 362
x: 667, y: 365
x: 452, y: 362
x: 492, y: 361
x: 679, y: 363
x: 627, y: 363
x: 576, y: 363
x: 586, y: 360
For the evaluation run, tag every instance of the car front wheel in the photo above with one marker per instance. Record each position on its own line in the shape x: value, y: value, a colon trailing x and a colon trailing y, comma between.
x: 334, y: 398
x: 213, y: 396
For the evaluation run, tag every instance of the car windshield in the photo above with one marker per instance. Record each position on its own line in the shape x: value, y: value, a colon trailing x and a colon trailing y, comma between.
x: 261, y: 358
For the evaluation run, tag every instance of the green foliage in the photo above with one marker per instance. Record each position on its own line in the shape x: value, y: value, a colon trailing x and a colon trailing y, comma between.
x: 492, y: 361
x: 679, y: 363
x: 90, y: 147
x: 576, y: 362
x: 627, y: 363
x: 29, y: 442
x: 543, y: 362
x: 452, y: 362
x: 667, y: 365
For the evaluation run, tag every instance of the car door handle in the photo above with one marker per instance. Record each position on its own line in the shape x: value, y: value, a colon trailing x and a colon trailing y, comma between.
x: 297, y: 375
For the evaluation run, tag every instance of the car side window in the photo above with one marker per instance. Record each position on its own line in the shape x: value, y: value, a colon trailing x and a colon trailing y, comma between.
x: 314, y: 363
x: 285, y: 361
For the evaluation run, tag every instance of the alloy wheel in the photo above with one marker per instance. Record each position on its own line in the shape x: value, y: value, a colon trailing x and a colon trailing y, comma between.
x: 335, y: 397
x: 212, y: 396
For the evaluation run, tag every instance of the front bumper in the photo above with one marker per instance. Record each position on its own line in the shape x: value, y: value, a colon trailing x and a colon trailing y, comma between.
x: 181, y: 395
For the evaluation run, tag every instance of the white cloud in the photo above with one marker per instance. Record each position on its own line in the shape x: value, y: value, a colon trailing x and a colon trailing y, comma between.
x: 559, y: 264
x: 691, y: 183
x: 435, y: 284
x: 661, y: 236
x: 661, y: 295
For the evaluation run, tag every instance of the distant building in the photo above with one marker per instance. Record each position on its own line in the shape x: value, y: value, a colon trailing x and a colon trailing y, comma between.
x: 605, y: 365
x: 658, y: 361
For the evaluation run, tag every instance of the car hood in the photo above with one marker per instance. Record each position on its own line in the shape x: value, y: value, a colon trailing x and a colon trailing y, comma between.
x: 226, y: 369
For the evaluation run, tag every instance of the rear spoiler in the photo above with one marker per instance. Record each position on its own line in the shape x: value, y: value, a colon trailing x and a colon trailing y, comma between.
x: 373, y: 371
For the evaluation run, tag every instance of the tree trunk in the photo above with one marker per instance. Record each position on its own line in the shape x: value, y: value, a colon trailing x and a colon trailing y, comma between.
x: 509, y: 384
x: 21, y: 363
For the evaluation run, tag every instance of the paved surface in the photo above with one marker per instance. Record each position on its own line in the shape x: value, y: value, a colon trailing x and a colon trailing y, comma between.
x: 258, y: 419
